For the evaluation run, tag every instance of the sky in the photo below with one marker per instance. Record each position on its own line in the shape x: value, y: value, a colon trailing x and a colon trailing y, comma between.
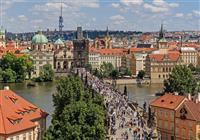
x: 127, y: 15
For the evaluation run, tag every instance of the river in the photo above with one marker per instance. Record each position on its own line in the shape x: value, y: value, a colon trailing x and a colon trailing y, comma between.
x: 41, y: 95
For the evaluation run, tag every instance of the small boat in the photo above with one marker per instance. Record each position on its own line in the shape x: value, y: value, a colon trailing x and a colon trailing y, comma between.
x: 159, y: 94
x: 31, y: 84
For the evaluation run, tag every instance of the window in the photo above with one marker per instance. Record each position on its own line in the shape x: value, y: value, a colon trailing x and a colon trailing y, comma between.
x: 159, y: 76
x: 29, y: 136
x: 166, y: 125
x: 11, y: 138
x: 40, y: 62
x: 17, y: 137
x: 24, y: 136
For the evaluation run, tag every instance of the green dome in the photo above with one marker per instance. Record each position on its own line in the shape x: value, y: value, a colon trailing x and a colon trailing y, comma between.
x: 39, y: 39
x: 2, y: 31
x: 162, y: 40
x: 59, y: 42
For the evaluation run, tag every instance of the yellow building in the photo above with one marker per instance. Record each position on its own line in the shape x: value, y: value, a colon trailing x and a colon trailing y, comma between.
x: 188, y: 55
x: 159, y: 66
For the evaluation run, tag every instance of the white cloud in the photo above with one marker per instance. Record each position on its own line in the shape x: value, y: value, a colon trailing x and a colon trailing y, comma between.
x: 155, y: 9
x: 23, y: 18
x: 94, y: 19
x: 115, y: 5
x: 117, y: 19
x: 196, y: 13
x: 131, y: 2
x: 158, y: 6
x: 179, y: 15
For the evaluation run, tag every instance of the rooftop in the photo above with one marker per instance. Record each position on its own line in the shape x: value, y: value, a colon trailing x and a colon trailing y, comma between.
x: 168, y: 101
x: 16, y: 114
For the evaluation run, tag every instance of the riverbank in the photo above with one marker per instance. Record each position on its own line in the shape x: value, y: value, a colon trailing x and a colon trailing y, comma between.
x: 128, y: 81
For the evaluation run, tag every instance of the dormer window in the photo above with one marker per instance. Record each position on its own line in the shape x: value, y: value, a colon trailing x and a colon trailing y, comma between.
x: 15, y: 121
x: 13, y: 99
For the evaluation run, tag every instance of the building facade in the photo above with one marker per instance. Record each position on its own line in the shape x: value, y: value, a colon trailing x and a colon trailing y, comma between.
x: 2, y: 38
x: 178, y: 117
x: 20, y: 120
x: 159, y: 66
x: 189, y: 55
x: 41, y: 53
x: 80, y: 52
x: 63, y: 56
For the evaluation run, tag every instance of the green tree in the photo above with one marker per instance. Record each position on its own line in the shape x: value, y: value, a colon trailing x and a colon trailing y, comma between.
x: 192, y: 67
x: 22, y: 66
x: 9, y: 76
x: 141, y: 74
x: 180, y: 80
x: 106, y: 69
x: 88, y: 67
x: 46, y: 74
x: 114, y: 74
x: 77, y: 115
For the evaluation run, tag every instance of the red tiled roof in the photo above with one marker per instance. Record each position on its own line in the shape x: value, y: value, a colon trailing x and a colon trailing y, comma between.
x: 168, y: 101
x: 107, y: 51
x: 172, y: 55
x: 142, y: 49
x: 12, y: 107
x: 145, y: 37
x: 194, y: 109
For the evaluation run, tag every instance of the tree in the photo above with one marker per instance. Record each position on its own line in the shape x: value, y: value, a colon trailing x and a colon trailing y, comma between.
x: 180, y: 80
x: 46, y: 74
x: 192, y: 67
x: 114, y: 74
x: 106, y: 69
x: 77, y: 116
x: 88, y: 67
x: 22, y: 66
x: 141, y: 74
x: 9, y: 76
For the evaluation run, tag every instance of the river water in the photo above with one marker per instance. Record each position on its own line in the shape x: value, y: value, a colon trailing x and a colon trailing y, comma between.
x: 41, y: 95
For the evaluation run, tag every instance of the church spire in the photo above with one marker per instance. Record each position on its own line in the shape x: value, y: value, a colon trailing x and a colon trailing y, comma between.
x: 107, y: 31
x: 161, y: 34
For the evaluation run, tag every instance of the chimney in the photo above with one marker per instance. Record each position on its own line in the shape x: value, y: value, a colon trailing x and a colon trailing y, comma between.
x: 6, y: 88
x: 189, y: 96
x: 175, y: 93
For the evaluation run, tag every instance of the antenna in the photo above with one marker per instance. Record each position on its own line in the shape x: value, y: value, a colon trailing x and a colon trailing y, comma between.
x: 61, y: 18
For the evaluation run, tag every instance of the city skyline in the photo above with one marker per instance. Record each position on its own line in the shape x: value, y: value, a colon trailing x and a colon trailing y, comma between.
x: 133, y: 15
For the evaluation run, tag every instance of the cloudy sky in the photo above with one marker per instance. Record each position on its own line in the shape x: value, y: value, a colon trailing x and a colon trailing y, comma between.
x: 143, y: 15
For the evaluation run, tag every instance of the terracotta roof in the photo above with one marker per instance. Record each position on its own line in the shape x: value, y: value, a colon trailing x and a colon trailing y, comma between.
x: 108, y: 51
x: 194, y: 109
x: 145, y: 37
x: 16, y: 113
x: 172, y: 56
x: 142, y: 49
x: 168, y: 101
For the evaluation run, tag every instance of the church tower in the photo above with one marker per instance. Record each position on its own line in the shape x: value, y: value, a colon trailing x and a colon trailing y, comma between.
x: 162, y: 43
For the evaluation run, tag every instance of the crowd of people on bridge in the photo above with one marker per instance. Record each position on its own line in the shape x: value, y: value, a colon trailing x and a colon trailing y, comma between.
x: 124, y: 122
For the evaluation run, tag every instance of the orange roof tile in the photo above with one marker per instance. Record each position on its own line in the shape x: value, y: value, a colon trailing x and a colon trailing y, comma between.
x: 16, y: 114
x: 172, y: 56
x: 194, y: 109
x: 142, y: 49
x: 168, y: 101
